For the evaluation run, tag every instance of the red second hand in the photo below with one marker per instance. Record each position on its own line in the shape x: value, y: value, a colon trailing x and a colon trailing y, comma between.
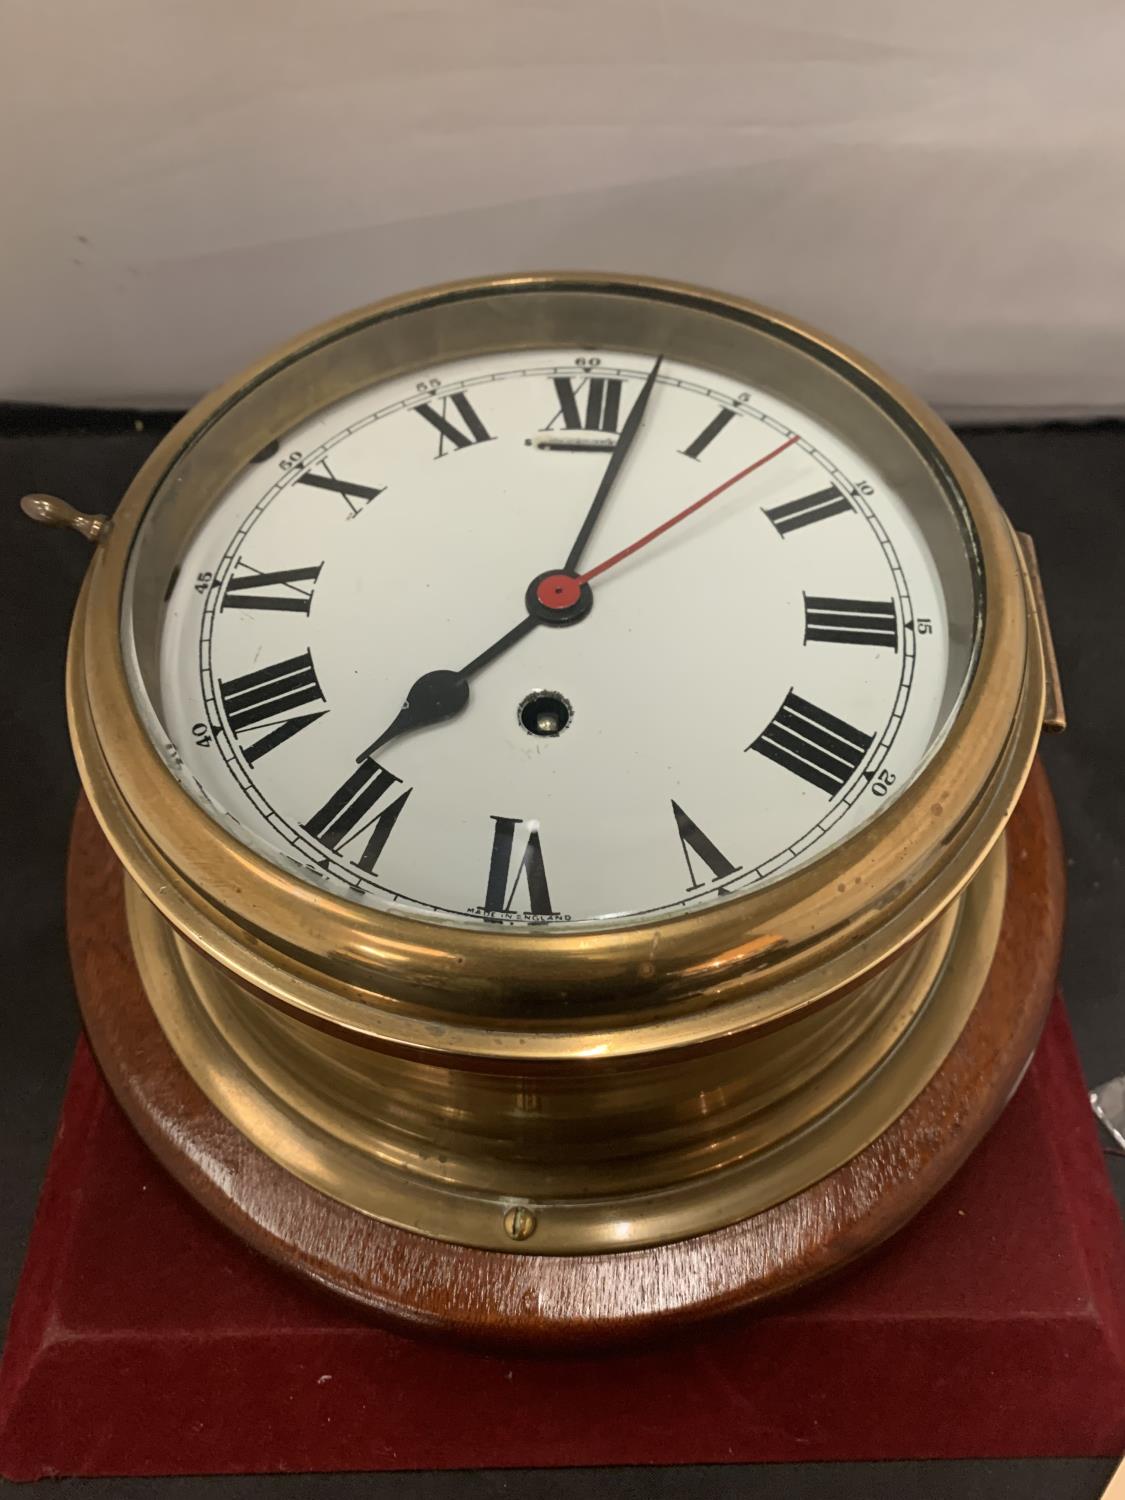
x: 603, y: 567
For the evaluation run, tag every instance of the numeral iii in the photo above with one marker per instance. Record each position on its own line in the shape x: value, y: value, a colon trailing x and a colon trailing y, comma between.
x: 857, y: 622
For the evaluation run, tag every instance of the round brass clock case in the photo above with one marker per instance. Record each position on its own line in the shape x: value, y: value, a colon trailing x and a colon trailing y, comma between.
x: 546, y: 1091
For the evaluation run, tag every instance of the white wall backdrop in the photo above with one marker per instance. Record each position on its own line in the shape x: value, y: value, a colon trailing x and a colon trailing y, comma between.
x: 186, y: 182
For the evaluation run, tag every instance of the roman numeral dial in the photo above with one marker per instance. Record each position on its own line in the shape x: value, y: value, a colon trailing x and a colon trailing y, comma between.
x: 813, y: 744
x: 595, y: 692
x: 266, y: 699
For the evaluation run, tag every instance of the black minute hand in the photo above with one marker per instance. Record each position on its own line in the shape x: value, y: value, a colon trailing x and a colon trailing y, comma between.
x: 441, y: 695
x: 613, y: 468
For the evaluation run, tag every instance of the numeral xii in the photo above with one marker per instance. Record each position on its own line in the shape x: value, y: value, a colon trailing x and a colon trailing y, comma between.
x: 602, y: 412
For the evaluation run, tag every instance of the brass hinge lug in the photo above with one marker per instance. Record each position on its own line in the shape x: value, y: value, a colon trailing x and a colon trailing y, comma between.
x: 1054, y: 710
x: 49, y: 510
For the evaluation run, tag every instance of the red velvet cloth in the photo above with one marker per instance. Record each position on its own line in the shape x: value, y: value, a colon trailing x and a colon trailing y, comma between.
x: 146, y: 1340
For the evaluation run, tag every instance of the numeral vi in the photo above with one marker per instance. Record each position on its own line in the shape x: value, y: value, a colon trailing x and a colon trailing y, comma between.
x: 499, y: 894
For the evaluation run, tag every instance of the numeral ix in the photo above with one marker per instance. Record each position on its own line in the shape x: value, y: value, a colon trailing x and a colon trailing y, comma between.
x: 248, y: 589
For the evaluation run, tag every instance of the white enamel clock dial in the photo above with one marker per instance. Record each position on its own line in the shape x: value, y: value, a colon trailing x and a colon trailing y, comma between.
x: 678, y: 718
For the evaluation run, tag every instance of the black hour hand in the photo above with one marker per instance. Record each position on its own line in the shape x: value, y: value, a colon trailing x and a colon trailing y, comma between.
x: 436, y: 696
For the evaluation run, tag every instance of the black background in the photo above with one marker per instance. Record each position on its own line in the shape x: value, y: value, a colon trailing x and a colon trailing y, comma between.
x: 1066, y: 485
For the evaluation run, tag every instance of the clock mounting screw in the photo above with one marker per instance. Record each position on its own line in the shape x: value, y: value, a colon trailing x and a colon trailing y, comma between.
x: 519, y: 1223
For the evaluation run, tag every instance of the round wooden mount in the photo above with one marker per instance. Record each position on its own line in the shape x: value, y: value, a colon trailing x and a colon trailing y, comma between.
x: 555, y: 1301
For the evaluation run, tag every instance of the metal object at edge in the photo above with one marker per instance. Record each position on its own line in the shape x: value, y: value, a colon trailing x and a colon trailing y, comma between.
x: 49, y: 510
x: 1054, y: 709
x: 1108, y: 1103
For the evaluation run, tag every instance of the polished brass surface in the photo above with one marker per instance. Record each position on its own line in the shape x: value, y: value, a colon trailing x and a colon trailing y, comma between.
x: 1054, y: 709
x: 555, y: 1091
x: 560, y: 1159
x: 678, y: 981
x: 49, y: 510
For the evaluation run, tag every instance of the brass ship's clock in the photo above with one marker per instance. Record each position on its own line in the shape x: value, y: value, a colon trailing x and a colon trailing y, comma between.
x: 560, y: 734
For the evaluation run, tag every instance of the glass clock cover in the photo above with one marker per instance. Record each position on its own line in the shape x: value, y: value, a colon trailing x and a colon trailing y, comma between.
x: 561, y: 635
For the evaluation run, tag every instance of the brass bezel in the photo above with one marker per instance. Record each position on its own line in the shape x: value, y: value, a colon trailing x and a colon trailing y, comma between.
x: 681, y: 982
x: 709, y: 1139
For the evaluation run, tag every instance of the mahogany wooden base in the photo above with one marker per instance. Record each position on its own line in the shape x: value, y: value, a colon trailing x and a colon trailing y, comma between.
x: 566, y: 1300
